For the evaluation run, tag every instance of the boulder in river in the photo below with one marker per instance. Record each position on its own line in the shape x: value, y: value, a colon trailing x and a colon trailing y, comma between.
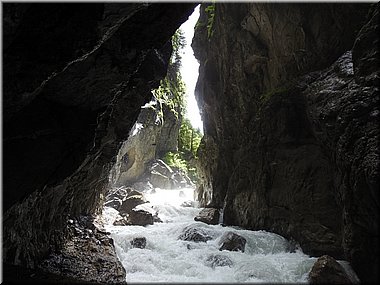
x: 192, y: 233
x: 138, y: 242
x: 218, y: 260
x: 140, y: 218
x: 115, y: 197
x: 326, y: 270
x: 209, y: 216
x: 232, y: 242
x: 114, y: 202
x: 133, y: 199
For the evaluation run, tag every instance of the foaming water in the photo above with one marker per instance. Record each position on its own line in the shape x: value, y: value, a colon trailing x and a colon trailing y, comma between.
x: 167, y: 259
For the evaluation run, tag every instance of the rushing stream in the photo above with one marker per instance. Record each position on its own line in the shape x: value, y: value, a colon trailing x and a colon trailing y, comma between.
x: 169, y: 259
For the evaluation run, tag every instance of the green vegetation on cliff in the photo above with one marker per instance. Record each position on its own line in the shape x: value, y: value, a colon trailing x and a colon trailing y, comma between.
x: 172, y: 88
x: 171, y: 93
x: 189, y: 138
x: 210, y: 10
x: 188, y: 143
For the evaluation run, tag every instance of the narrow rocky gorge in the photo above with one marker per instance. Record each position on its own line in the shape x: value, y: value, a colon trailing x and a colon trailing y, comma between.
x: 289, y: 97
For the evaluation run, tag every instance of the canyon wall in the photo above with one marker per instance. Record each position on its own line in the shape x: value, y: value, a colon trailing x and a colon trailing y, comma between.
x: 151, y: 138
x: 288, y: 94
x: 75, y: 77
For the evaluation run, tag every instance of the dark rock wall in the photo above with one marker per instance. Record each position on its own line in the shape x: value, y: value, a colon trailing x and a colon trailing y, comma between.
x: 290, y: 136
x: 75, y: 77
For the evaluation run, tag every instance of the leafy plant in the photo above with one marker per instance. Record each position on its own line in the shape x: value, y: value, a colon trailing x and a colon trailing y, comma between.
x: 188, y: 143
x: 175, y: 160
x: 172, y: 94
x: 189, y: 138
x: 172, y: 89
x: 210, y: 10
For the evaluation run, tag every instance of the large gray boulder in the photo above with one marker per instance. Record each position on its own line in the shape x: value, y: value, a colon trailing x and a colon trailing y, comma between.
x: 138, y: 242
x: 195, y: 234
x: 140, y: 218
x: 133, y: 199
x: 232, y: 242
x: 209, y: 216
x: 218, y: 260
x: 326, y: 270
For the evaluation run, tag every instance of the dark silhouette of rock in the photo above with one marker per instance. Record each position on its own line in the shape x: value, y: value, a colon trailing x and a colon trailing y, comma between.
x: 192, y: 233
x: 89, y: 255
x: 139, y: 242
x: 75, y: 78
x: 232, y: 242
x: 209, y: 216
x: 326, y: 270
x: 218, y: 260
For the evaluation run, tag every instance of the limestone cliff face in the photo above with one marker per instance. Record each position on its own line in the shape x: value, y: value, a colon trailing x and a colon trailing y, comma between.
x: 150, y: 138
x: 290, y: 123
x: 75, y: 77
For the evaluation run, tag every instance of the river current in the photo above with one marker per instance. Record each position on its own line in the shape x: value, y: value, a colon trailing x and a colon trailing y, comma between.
x: 168, y: 259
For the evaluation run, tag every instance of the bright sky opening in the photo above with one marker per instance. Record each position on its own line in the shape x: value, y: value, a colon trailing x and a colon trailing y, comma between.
x: 189, y: 71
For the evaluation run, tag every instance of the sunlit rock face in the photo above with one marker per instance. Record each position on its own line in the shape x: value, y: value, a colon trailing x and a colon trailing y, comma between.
x: 290, y: 118
x: 75, y: 77
x: 151, y: 138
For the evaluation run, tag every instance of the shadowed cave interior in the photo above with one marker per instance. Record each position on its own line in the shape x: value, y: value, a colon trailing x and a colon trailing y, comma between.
x: 288, y: 95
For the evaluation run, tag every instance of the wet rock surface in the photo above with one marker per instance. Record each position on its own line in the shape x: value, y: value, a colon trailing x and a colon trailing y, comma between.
x: 140, y: 218
x: 232, y: 242
x: 326, y: 270
x: 209, y: 216
x: 192, y: 233
x: 132, y: 200
x: 139, y: 242
x: 87, y: 256
x: 218, y: 260
x: 13, y: 274
x: 126, y: 201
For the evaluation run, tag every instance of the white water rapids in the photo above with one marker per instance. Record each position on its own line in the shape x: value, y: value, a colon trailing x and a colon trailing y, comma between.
x: 169, y: 259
